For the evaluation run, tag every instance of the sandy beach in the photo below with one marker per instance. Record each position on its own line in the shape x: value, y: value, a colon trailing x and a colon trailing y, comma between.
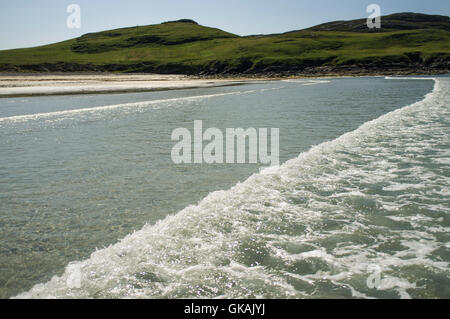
x: 35, y: 85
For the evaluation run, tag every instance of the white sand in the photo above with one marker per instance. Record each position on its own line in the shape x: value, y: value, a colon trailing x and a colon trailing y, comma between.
x: 79, y: 84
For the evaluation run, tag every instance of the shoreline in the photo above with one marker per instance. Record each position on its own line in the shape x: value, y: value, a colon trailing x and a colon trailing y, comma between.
x: 14, y: 85
x: 19, y: 85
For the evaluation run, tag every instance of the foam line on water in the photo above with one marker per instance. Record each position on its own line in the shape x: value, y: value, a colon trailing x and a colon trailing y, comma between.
x: 27, y: 117
x: 407, y: 78
x: 307, y: 82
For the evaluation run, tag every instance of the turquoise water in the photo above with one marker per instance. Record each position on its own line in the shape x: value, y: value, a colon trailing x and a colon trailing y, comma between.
x: 87, y: 181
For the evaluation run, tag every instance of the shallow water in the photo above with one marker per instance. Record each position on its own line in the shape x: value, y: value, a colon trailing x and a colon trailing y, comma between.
x: 78, y: 173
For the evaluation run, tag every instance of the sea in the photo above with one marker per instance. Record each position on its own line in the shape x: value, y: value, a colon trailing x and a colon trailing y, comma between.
x: 93, y: 206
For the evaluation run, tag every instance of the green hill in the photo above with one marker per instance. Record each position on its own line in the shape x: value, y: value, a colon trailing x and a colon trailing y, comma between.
x: 393, y: 22
x: 407, y: 42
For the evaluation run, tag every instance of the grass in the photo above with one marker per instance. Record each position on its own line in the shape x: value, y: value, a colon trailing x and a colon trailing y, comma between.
x: 186, y: 47
x: 393, y: 22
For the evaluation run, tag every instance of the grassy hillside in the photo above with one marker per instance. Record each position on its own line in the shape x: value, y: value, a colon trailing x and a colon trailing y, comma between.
x: 416, y: 42
x: 393, y: 22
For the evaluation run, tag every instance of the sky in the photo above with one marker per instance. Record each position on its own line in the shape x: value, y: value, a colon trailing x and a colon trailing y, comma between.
x: 27, y: 23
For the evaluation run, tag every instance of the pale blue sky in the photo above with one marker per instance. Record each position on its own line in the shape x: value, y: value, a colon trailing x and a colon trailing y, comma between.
x: 25, y: 23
